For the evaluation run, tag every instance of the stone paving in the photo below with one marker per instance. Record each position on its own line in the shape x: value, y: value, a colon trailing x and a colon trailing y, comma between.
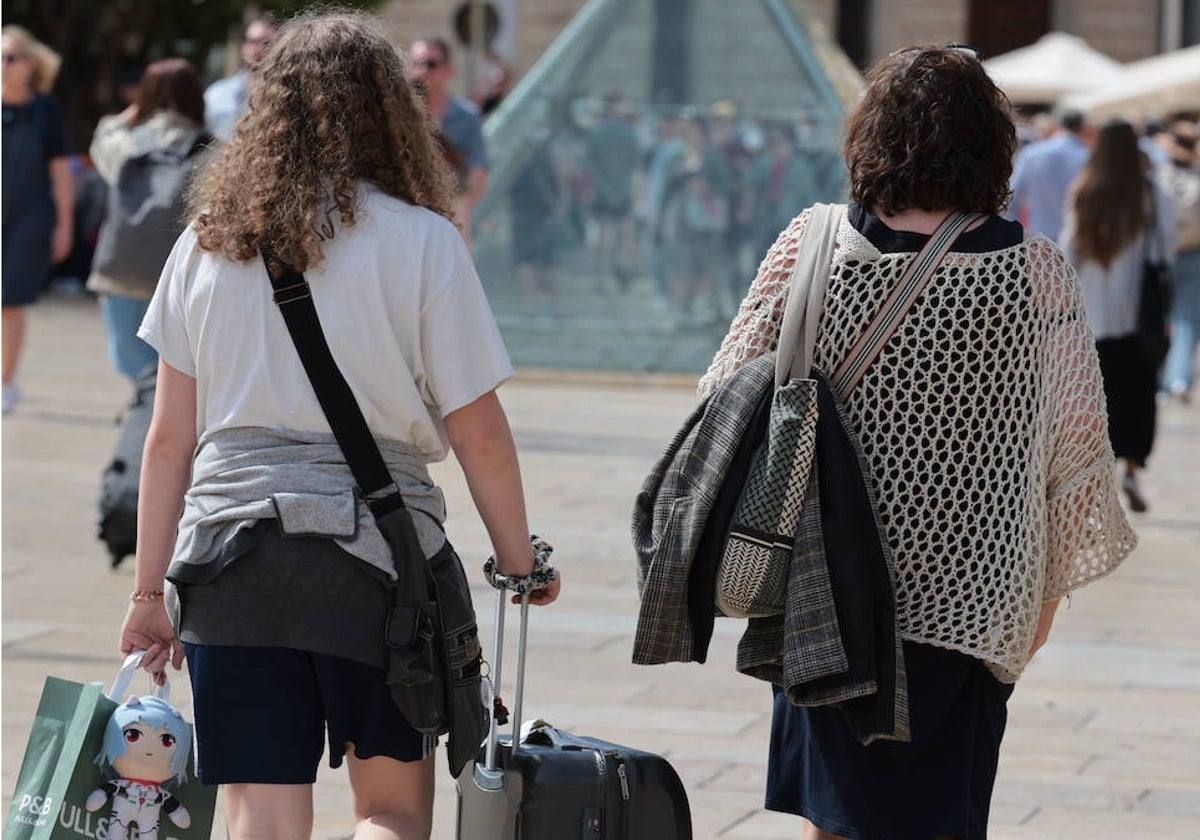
x: 1104, y: 731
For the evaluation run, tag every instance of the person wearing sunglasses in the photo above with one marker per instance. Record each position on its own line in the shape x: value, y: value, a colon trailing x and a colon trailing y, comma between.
x: 225, y: 99
x: 39, y: 199
x: 458, y: 120
x: 983, y: 426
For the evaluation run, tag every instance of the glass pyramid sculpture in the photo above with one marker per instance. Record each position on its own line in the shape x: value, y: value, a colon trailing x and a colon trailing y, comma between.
x: 641, y: 169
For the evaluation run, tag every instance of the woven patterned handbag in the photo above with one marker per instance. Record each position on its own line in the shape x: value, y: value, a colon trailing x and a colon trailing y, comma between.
x: 752, y: 574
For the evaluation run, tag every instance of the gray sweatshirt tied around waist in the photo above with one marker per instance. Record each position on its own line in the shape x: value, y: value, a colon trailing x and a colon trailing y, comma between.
x: 243, y: 475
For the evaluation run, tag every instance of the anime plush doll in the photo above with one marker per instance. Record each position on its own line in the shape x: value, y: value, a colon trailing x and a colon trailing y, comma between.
x: 146, y: 745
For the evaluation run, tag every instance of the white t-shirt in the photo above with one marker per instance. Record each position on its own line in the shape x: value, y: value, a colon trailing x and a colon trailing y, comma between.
x: 401, y: 306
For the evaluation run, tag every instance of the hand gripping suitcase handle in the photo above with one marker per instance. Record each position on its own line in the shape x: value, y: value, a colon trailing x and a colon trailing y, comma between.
x: 497, y: 657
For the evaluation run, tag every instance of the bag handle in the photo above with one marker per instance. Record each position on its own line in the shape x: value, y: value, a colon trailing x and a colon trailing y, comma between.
x: 124, y: 677
x: 897, y: 305
x: 806, y: 296
x: 294, y: 299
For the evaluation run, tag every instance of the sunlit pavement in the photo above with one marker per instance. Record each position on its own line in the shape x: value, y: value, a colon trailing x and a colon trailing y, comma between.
x: 1104, y: 730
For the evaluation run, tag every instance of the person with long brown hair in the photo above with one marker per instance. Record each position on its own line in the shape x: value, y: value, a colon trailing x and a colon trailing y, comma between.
x: 1117, y: 219
x: 166, y: 120
x: 982, y: 426
x: 256, y: 557
x: 39, y: 198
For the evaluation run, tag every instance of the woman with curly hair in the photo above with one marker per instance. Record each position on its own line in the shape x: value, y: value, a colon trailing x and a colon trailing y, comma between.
x: 39, y: 198
x: 256, y: 558
x: 982, y: 424
x: 1117, y: 218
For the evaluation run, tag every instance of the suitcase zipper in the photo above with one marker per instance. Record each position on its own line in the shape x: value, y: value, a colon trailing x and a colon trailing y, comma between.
x: 619, y: 762
x: 624, y: 779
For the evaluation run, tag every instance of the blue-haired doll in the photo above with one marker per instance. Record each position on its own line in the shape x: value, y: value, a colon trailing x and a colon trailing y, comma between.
x: 146, y: 745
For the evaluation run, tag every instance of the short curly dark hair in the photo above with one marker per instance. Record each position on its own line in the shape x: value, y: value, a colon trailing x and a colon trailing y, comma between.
x: 932, y: 132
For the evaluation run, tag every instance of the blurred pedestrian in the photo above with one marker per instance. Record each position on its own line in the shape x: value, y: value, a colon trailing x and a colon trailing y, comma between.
x: 166, y: 120
x: 1118, y: 220
x: 612, y: 158
x: 499, y: 80
x: 782, y: 184
x: 1179, y: 178
x: 982, y: 425
x: 129, y: 73
x: 38, y: 191
x: 1044, y: 171
x: 280, y: 580
x: 225, y: 100
x: 699, y: 204
x: 457, y: 118
x: 662, y: 169
x: 539, y: 217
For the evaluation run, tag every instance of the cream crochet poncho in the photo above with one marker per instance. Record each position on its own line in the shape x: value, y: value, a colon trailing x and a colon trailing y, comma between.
x: 984, y: 423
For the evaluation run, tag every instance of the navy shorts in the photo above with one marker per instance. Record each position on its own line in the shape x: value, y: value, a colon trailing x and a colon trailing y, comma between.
x: 262, y: 714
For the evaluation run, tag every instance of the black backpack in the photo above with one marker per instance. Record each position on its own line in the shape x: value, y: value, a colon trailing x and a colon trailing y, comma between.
x: 145, y: 214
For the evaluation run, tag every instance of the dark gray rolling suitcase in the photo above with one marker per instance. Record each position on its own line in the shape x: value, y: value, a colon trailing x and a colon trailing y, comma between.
x: 119, y: 484
x: 555, y: 785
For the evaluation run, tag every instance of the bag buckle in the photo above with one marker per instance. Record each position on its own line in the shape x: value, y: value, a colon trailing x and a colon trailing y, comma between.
x: 405, y: 626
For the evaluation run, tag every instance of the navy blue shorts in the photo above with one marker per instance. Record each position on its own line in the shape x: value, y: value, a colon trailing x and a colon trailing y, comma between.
x: 262, y: 714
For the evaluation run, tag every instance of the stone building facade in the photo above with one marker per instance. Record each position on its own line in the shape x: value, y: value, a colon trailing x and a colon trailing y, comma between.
x: 869, y: 29
x: 1123, y: 29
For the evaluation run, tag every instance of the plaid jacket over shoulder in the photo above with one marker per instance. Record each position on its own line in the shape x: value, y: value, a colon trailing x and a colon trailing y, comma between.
x: 673, y: 507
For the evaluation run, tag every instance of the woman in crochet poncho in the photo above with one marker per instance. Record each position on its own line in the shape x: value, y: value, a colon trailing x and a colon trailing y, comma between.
x: 983, y: 422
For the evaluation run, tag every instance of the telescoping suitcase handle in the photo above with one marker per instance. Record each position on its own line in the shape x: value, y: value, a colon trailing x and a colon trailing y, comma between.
x: 490, y: 753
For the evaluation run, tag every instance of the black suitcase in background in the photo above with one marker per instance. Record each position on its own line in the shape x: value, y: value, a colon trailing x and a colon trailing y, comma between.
x: 119, y: 484
x: 560, y: 786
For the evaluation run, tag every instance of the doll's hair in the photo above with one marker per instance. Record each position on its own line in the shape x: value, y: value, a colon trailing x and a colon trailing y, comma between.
x: 155, y: 713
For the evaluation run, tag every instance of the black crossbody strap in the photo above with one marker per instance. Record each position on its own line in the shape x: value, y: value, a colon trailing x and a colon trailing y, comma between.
x: 295, y: 302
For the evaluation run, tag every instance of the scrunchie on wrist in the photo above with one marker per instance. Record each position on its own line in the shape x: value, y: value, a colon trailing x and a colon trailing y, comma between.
x: 543, y: 573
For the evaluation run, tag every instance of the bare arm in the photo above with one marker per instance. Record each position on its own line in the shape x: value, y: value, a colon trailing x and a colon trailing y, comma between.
x: 62, y: 188
x: 166, y: 471
x: 482, y: 442
x: 1045, y: 619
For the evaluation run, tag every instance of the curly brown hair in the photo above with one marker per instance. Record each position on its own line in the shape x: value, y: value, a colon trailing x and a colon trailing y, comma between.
x: 330, y: 106
x: 932, y: 132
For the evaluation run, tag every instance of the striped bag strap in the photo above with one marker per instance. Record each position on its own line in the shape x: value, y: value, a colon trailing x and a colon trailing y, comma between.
x: 885, y: 323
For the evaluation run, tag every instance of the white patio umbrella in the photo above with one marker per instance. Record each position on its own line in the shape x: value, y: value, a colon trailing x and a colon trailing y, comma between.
x: 1162, y: 84
x: 1053, y: 66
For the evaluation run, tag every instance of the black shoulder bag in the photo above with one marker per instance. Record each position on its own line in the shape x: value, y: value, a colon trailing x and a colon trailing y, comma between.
x: 434, y: 654
x: 1154, y: 302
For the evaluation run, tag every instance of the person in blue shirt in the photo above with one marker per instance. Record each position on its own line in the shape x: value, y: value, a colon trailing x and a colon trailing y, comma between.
x: 1042, y: 173
x: 225, y: 99
x: 459, y: 120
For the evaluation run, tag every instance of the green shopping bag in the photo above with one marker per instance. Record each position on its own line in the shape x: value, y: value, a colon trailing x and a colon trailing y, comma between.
x: 60, y: 774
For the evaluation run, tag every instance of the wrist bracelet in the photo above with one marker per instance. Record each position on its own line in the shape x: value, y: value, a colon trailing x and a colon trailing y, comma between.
x: 543, y: 573
x: 143, y: 596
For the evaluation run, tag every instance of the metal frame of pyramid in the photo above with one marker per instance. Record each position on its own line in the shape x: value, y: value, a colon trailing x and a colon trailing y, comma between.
x: 625, y: 45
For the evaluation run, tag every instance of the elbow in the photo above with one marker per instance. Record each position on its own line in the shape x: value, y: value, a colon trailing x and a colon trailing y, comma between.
x: 478, y: 443
x: 167, y: 443
x: 479, y: 432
